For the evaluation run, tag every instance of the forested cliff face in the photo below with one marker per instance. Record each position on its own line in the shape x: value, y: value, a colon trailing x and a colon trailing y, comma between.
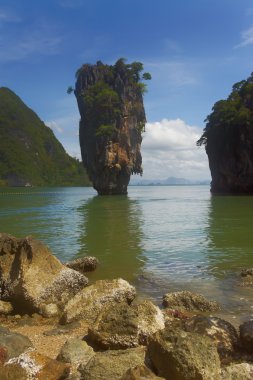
x: 30, y: 154
x: 228, y: 139
x: 110, y: 102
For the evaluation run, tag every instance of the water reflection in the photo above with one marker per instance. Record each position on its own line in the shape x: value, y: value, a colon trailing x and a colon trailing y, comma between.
x: 110, y: 229
x: 230, y: 233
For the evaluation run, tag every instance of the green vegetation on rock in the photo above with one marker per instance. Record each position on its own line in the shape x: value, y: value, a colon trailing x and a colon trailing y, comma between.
x: 29, y: 151
x: 102, y: 99
x: 230, y: 115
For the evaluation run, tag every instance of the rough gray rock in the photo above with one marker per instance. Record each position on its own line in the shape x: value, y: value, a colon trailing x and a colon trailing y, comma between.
x: 186, y: 300
x: 84, y: 264
x: 122, y: 326
x: 89, y: 302
x: 75, y: 351
x: 31, y: 277
x: 246, y: 336
x: 221, y: 332
x: 112, y: 365
x: 242, y: 371
x: 13, y: 343
x: 179, y: 355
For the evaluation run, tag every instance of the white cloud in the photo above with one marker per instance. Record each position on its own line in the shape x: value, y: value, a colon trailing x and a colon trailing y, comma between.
x: 246, y: 37
x: 169, y: 149
x: 54, y: 126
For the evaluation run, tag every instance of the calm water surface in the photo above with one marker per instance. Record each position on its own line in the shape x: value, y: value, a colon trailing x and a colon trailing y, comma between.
x: 159, y: 238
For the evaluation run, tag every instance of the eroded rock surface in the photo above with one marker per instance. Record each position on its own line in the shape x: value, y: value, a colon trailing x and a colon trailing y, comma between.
x: 36, y: 366
x: 83, y: 264
x: 242, y: 371
x: 31, y: 277
x: 221, y: 332
x: 122, y: 326
x: 185, y: 300
x: 76, y: 352
x: 89, y: 302
x: 140, y: 372
x: 112, y: 118
x: 112, y: 364
x: 179, y: 355
x: 13, y: 344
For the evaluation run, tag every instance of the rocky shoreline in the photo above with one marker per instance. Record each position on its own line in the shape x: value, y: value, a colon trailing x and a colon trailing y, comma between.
x: 55, y: 326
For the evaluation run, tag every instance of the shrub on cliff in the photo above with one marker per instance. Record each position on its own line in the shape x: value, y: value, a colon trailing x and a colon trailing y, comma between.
x: 230, y: 115
x: 228, y: 139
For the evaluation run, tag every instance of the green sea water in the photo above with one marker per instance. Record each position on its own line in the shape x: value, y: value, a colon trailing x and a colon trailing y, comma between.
x: 160, y: 238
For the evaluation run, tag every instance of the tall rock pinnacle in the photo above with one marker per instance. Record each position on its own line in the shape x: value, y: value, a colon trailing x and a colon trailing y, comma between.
x: 110, y: 102
x: 228, y: 139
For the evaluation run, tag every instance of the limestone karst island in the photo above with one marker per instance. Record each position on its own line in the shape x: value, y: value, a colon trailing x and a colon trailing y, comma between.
x: 228, y: 139
x: 113, y: 118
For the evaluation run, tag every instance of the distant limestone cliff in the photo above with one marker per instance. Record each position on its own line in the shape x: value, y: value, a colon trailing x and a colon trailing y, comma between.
x: 30, y: 154
x: 110, y: 102
x: 228, y: 139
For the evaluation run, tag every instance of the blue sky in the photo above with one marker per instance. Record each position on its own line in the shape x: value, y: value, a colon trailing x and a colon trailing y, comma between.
x: 194, y: 49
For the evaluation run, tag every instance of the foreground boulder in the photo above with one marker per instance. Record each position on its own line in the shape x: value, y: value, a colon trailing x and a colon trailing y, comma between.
x: 31, y: 277
x: 76, y: 352
x: 112, y: 365
x: 186, y: 300
x: 89, y: 302
x: 242, y: 371
x: 35, y: 366
x: 122, y: 326
x: 221, y: 332
x: 179, y: 355
x: 12, y: 344
x: 84, y: 264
